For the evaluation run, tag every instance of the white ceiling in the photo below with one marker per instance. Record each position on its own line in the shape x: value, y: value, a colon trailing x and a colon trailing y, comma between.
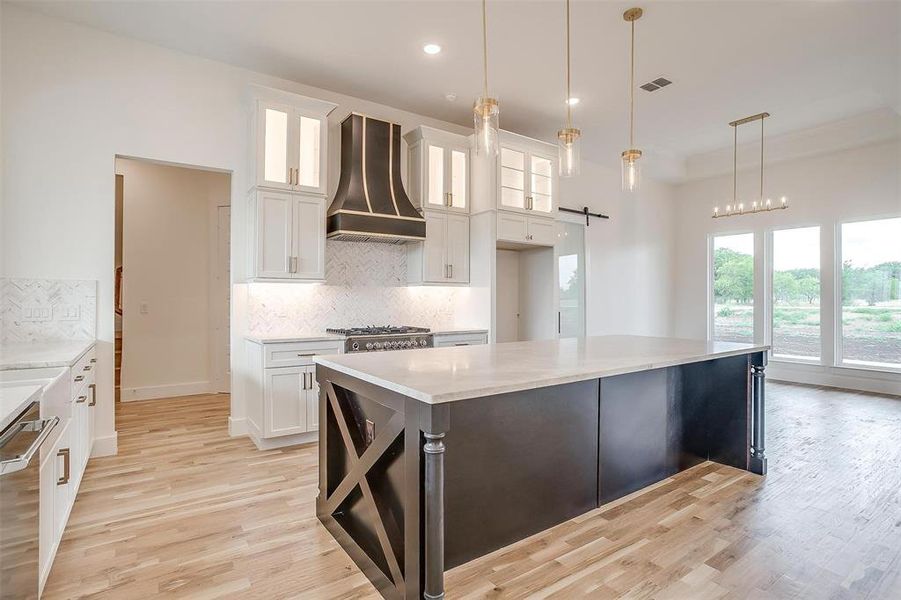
x: 806, y: 63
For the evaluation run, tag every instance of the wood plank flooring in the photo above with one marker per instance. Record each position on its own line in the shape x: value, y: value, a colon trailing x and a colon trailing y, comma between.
x: 186, y: 512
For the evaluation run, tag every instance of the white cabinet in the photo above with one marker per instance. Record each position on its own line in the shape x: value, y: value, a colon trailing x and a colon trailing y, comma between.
x: 438, y: 170
x: 282, y: 393
x: 527, y: 181
x: 525, y: 230
x: 443, y: 258
x: 291, y: 144
x: 465, y: 338
x: 289, y: 234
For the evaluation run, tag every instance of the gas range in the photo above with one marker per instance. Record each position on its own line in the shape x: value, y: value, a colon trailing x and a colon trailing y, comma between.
x: 375, y: 339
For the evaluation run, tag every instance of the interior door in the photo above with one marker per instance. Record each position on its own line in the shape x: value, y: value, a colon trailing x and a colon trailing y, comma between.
x: 571, y: 278
x: 309, y: 239
x: 275, y: 214
x: 458, y: 248
x: 286, y: 401
x: 434, y: 247
x: 275, y: 152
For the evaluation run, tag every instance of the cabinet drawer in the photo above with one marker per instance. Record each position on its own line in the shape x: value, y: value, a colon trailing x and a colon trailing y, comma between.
x: 460, y: 339
x: 84, y: 368
x: 296, y: 354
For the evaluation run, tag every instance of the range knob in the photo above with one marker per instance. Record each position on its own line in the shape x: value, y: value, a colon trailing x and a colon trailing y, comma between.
x: 423, y: 343
x: 377, y: 346
x: 355, y: 346
x: 369, y: 345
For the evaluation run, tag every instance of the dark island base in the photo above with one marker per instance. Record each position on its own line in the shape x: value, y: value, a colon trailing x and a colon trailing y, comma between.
x: 410, y: 489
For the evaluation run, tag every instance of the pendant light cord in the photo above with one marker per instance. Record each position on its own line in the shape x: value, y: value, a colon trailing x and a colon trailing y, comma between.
x: 734, y: 164
x: 761, y: 160
x: 485, y: 43
x: 632, y: 91
x: 569, y: 111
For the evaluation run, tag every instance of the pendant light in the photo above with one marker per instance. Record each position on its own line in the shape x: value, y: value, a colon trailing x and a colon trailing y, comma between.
x: 485, y: 109
x: 630, y: 157
x: 568, y: 137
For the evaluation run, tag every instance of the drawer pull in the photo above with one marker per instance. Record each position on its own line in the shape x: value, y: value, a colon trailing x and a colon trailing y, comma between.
x: 79, y: 378
x: 87, y: 368
x: 81, y: 399
x: 64, y: 452
x: 306, y: 354
x: 93, y: 360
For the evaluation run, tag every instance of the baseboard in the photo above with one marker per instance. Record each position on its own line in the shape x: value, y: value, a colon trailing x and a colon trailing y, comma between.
x: 237, y: 427
x: 166, y: 391
x: 282, y: 441
x: 107, y: 445
x: 837, y: 377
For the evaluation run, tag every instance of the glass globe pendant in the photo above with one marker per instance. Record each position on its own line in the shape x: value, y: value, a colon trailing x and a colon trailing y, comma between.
x: 568, y: 137
x: 631, y: 170
x: 485, y: 110
x: 630, y: 157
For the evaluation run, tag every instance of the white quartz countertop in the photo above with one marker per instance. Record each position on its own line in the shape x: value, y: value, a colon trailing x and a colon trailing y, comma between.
x: 438, y: 375
x: 34, y: 355
x: 330, y: 337
x: 13, y: 400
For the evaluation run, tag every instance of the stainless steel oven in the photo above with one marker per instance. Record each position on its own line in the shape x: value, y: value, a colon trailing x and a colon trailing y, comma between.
x: 20, y: 457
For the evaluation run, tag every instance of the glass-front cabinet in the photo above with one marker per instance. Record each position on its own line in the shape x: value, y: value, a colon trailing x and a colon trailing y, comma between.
x: 291, y: 146
x: 438, y: 170
x: 526, y: 182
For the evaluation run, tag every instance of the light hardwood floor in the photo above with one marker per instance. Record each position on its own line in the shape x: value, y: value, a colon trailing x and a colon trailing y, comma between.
x: 185, y: 511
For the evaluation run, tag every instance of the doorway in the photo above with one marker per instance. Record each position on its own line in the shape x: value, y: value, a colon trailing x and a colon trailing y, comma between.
x: 172, y: 280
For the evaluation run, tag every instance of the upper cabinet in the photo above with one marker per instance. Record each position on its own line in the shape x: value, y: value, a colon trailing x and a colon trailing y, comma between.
x: 438, y: 170
x: 291, y: 150
x: 523, y: 177
x: 289, y: 236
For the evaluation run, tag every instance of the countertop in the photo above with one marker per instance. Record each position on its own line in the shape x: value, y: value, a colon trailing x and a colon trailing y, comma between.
x: 329, y: 337
x: 34, y: 355
x: 14, y: 399
x: 439, y: 375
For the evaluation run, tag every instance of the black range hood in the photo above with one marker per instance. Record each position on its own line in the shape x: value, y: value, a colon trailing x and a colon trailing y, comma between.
x: 370, y: 204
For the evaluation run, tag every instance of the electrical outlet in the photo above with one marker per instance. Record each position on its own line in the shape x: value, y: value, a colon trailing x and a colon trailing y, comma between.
x: 144, y: 308
x: 68, y: 312
x: 33, y: 314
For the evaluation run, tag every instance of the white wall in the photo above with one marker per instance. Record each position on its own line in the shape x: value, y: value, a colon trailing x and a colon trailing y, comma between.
x: 72, y: 99
x: 168, y: 223
x: 823, y: 190
x: 630, y: 256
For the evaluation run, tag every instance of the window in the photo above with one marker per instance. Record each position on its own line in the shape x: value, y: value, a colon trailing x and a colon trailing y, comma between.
x: 571, y: 271
x: 871, y: 293
x: 733, y: 288
x: 796, y: 293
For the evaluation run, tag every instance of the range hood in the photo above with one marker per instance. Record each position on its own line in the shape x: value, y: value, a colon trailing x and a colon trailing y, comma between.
x: 370, y: 204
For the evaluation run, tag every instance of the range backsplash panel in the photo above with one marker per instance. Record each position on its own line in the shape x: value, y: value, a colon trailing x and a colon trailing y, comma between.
x: 37, y: 310
x: 366, y: 284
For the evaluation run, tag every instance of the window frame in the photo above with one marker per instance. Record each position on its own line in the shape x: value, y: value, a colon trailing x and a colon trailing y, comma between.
x: 770, y: 269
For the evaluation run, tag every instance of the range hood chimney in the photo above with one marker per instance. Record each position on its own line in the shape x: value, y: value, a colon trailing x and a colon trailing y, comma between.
x: 370, y: 204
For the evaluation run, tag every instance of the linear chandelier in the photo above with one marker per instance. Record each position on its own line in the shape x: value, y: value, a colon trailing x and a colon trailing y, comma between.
x: 760, y: 205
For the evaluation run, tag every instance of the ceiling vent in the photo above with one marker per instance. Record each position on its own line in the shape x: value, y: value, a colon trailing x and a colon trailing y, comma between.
x: 653, y: 86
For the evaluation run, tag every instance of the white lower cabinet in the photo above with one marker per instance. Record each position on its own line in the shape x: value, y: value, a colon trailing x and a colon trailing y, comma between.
x: 64, y: 462
x: 526, y: 230
x: 468, y: 338
x: 282, y: 393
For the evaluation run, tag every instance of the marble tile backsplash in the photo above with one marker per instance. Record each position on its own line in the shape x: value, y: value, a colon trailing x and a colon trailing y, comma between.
x: 37, y: 310
x: 366, y: 284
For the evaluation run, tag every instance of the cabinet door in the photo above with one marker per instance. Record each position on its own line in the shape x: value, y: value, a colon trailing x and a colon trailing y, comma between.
x: 275, y: 223
x: 274, y: 151
x: 458, y: 186
x: 434, y: 259
x: 541, y: 184
x: 458, y: 248
x: 92, y: 409
x: 511, y: 227
x: 309, y: 150
x: 435, y: 187
x: 312, y: 400
x: 543, y: 232
x: 79, y: 432
x: 309, y: 236
x: 285, y: 402
x: 512, y: 179
x: 62, y: 480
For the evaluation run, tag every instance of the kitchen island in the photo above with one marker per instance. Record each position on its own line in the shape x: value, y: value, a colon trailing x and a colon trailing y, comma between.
x: 431, y: 458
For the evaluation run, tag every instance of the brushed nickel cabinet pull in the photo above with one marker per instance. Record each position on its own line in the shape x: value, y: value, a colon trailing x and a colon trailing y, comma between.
x: 87, y: 368
x: 81, y: 399
x: 79, y: 378
x: 93, y: 388
x: 93, y: 360
x: 64, y: 452
x: 303, y: 354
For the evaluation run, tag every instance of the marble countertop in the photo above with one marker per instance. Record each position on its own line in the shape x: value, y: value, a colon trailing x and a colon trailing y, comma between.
x: 14, y: 399
x: 33, y: 355
x: 438, y: 375
x: 328, y: 337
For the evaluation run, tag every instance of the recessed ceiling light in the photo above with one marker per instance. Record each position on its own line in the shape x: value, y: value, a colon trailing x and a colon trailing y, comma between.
x: 573, y: 101
x: 431, y: 48
x: 450, y: 97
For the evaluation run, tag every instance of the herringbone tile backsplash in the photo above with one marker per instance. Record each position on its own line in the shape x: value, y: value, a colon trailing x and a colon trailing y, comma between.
x: 366, y: 284
x: 35, y: 310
